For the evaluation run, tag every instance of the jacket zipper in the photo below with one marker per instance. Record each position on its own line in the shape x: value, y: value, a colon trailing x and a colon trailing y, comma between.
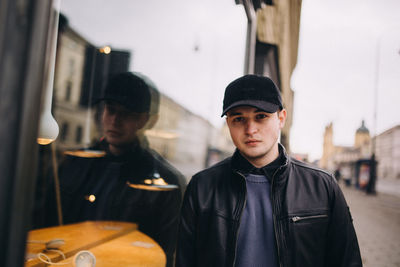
x: 274, y: 216
x: 298, y: 218
x: 273, y: 210
x: 240, y: 218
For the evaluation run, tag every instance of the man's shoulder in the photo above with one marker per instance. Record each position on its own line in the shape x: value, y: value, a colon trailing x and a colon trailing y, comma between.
x: 305, y: 174
x: 214, y: 173
x: 308, y: 168
x: 217, y: 168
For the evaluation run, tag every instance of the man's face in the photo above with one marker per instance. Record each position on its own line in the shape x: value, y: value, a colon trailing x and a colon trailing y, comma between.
x: 120, y: 125
x: 255, y: 133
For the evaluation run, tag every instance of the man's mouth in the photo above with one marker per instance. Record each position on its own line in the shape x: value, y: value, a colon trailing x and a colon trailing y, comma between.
x: 252, y: 142
x: 112, y: 132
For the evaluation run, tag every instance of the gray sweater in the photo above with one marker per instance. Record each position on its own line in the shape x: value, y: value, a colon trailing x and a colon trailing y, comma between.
x: 256, y: 241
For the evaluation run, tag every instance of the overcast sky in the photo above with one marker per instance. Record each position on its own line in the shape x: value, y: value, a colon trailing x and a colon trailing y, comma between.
x: 193, y: 49
x: 335, y: 77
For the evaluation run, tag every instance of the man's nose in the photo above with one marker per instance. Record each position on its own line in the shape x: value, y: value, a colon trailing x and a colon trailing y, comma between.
x: 115, y: 118
x: 251, y: 127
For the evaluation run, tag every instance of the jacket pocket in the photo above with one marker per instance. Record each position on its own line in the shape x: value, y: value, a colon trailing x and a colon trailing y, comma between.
x: 308, y: 237
x: 308, y: 218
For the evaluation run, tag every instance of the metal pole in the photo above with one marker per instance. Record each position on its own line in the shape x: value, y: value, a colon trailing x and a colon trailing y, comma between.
x: 372, y: 171
x: 251, y: 37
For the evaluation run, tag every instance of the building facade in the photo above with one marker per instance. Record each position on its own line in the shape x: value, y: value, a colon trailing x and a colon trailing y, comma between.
x: 70, y: 115
x: 388, y: 154
x: 351, y: 163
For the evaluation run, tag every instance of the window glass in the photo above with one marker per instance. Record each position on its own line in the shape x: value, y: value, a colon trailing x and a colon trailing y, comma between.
x: 138, y: 97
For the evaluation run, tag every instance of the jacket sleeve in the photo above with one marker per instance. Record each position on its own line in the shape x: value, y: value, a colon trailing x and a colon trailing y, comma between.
x: 343, y: 249
x: 186, y: 247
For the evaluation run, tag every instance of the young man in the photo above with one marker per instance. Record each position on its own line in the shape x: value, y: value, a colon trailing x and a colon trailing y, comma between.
x: 260, y: 207
x: 118, y: 186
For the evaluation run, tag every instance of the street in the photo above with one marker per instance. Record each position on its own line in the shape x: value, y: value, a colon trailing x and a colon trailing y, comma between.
x: 377, y: 223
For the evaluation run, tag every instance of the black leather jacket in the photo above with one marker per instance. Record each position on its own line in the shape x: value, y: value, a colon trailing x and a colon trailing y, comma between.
x: 312, y: 222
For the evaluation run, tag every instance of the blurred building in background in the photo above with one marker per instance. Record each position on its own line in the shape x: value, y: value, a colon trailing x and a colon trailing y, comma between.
x: 352, y: 162
x: 272, y: 46
x: 69, y: 76
x: 388, y: 154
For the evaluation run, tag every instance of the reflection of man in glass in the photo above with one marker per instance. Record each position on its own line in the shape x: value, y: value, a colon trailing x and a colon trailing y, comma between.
x: 130, y: 182
x: 127, y: 103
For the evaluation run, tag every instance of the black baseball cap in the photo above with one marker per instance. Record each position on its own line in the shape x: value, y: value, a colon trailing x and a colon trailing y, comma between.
x: 252, y: 90
x: 129, y: 90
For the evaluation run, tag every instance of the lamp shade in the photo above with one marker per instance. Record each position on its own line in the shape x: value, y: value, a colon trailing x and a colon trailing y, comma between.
x: 48, y: 127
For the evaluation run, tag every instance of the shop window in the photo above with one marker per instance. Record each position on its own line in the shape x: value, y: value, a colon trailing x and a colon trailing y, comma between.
x: 78, y: 135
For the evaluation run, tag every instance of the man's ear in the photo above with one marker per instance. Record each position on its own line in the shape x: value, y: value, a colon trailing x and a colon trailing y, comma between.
x: 282, y: 117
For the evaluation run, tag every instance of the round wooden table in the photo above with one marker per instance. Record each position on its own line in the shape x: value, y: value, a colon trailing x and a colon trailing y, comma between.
x: 112, y: 243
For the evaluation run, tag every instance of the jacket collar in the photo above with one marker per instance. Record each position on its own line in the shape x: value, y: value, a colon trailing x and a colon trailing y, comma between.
x: 241, y: 165
x: 133, y: 151
x: 137, y: 162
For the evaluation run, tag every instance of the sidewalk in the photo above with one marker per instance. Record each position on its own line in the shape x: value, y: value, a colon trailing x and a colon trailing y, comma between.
x: 386, y: 186
x: 377, y: 223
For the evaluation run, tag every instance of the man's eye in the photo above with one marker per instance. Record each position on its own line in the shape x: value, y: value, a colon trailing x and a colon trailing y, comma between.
x: 261, y: 116
x: 237, y: 119
x: 111, y: 110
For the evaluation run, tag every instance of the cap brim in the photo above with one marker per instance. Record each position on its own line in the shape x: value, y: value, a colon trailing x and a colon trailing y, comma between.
x: 116, y: 100
x: 263, y: 105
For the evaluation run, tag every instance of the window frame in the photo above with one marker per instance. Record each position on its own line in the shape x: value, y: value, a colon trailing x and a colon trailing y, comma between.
x: 24, y: 30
